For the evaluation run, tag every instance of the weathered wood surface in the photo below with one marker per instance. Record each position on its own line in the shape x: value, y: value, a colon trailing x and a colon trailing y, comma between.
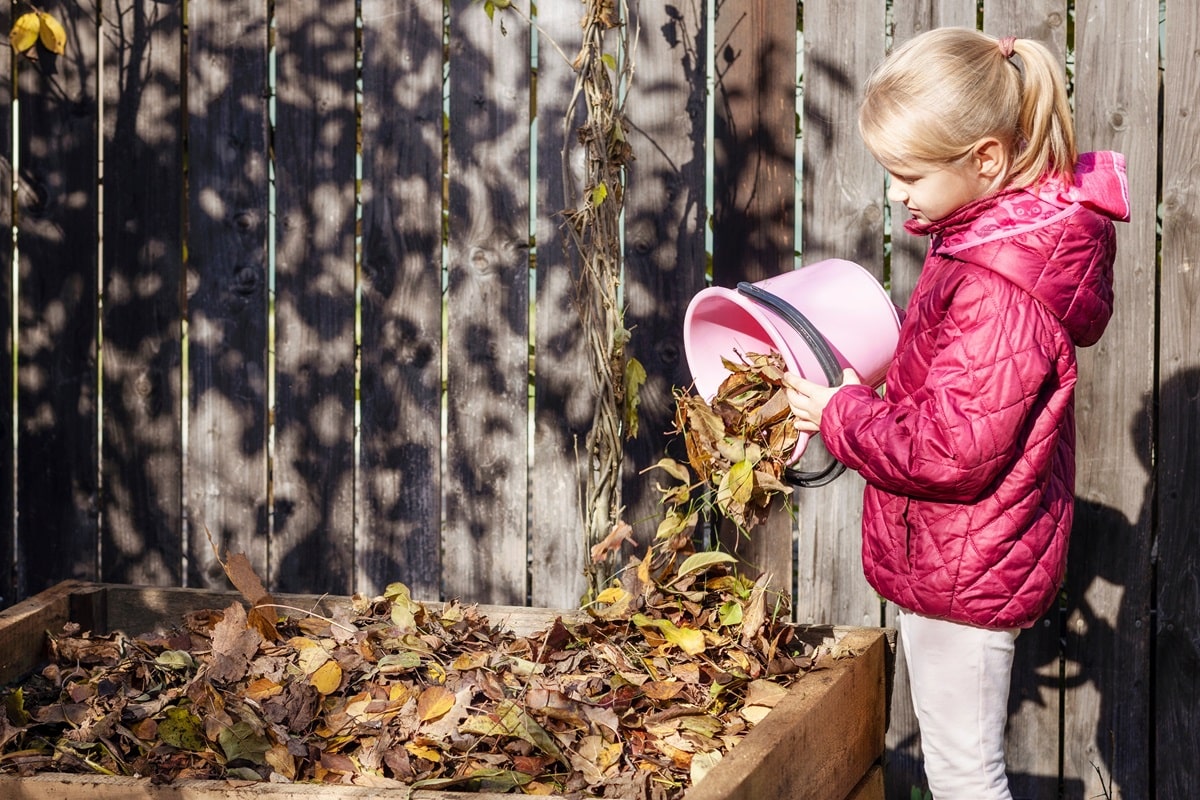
x: 564, y: 392
x: 227, y: 283
x: 142, y: 255
x: 1171, y: 513
x: 487, y: 307
x: 83, y: 787
x: 96, y: 482
x: 791, y: 754
x: 398, y: 496
x: 312, y: 524
x: 787, y: 755
x: 8, y: 559
x: 1110, y: 580
x: 57, y: 311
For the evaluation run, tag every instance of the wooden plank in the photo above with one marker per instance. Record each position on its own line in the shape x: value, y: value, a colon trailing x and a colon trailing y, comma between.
x: 57, y: 298
x: 8, y: 520
x: 1177, y: 432
x: 850, y: 686
x: 870, y: 787
x: 843, y: 218
x: 228, y: 282
x: 24, y: 625
x: 398, y: 495
x: 1035, y: 699
x: 1110, y: 580
x: 664, y: 233
x: 754, y: 189
x: 86, y: 787
x: 812, y: 746
x: 564, y: 393
x: 315, y: 151
x: 142, y: 458
x: 485, y: 551
x: 138, y: 609
x: 905, y: 760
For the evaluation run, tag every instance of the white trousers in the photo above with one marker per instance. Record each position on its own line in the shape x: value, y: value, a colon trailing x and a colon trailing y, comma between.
x: 959, y: 676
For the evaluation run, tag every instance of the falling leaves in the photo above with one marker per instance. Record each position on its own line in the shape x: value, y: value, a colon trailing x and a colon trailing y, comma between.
x: 738, y: 443
x: 642, y: 692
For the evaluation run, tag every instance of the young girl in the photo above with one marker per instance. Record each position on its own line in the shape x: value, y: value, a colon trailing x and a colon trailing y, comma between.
x: 969, y: 455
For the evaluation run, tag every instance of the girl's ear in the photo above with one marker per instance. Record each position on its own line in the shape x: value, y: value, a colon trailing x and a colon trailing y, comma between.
x: 991, y: 159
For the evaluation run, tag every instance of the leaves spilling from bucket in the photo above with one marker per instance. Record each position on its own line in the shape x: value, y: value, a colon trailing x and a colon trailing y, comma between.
x: 739, y: 442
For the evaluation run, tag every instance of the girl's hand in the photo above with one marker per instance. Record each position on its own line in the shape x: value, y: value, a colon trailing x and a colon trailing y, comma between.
x: 808, y: 399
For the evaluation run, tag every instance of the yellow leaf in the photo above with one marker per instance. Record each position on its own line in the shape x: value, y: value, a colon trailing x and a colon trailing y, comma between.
x: 703, y: 560
x: 635, y: 376
x: 280, y: 760
x: 741, y: 481
x: 466, y: 661
x: 262, y: 688
x: 327, y: 677
x: 24, y: 33
x: 689, y: 640
x: 599, y: 192
x: 611, y: 595
x: 421, y: 751
x: 54, y: 38
x: 434, y: 702
x: 310, y: 655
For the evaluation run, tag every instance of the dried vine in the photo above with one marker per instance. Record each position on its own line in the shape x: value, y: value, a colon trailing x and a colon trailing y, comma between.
x: 594, y: 232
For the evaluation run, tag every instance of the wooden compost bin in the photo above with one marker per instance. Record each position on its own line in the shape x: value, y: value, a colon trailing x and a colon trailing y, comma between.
x: 823, y: 741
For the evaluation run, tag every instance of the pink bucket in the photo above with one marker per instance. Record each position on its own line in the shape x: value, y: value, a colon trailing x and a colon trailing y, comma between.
x: 843, y: 302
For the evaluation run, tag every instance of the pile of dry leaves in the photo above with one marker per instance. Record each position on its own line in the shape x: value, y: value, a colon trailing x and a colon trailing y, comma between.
x: 738, y: 442
x: 637, y: 697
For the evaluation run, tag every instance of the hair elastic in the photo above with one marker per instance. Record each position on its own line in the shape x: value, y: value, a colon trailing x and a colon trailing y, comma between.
x: 1006, y: 46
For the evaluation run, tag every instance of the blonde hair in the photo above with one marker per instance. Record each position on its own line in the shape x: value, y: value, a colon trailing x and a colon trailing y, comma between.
x: 941, y: 92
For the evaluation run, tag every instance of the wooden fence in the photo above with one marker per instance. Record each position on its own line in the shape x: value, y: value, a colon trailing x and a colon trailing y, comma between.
x: 236, y: 233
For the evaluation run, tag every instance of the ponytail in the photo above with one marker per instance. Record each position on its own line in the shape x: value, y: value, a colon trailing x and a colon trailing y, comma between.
x: 1046, y: 125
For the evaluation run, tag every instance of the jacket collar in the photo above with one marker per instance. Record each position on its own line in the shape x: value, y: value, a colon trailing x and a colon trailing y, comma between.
x: 1099, y: 184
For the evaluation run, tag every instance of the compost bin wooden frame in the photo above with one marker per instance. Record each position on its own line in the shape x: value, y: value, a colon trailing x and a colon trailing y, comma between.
x: 790, y: 755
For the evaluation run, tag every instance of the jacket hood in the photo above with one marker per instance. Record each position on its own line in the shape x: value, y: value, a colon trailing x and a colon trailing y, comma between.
x: 1056, y: 241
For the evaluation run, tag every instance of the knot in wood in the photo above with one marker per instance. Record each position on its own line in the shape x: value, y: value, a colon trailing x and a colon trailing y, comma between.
x: 484, y: 260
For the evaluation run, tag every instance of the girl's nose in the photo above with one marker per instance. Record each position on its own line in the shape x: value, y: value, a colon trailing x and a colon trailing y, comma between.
x: 896, y: 193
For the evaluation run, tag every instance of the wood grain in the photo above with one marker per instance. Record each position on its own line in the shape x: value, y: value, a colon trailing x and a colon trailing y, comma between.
x: 399, y: 486
x: 227, y: 285
x: 1176, y: 506
x: 57, y: 306
x: 315, y: 284
x: 487, y: 383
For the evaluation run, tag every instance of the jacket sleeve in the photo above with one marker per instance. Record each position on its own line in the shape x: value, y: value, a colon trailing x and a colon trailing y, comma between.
x: 952, y: 436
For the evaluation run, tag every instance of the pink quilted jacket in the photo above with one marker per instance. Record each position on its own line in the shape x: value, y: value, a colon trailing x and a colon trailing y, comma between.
x: 969, y: 457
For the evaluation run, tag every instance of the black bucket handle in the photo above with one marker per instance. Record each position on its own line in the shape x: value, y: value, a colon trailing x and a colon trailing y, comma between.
x: 825, y: 357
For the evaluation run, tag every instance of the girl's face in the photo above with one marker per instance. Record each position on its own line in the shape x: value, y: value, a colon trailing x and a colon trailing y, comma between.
x: 931, y: 192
